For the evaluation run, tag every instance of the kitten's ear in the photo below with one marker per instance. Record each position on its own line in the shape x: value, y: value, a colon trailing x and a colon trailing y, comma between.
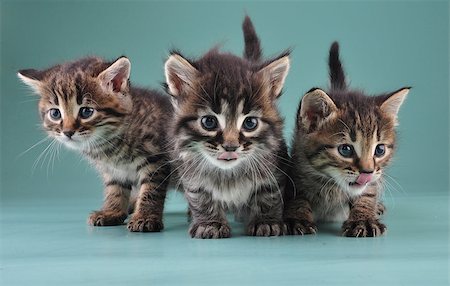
x: 115, y: 77
x: 180, y: 74
x: 32, y: 78
x: 392, y: 103
x: 316, y: 107
x: 275, y: 73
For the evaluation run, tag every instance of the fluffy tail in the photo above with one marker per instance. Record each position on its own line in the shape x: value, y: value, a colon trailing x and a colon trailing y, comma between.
x: 337, y: 75
x: 252, y: 45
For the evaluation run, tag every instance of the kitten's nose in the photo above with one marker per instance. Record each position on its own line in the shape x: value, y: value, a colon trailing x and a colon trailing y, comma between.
x: 230, y: 148
x: 69, y: 134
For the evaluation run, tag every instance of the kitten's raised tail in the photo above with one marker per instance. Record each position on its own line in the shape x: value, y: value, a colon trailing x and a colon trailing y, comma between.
x: 252, y: 50
x: 337, y: 75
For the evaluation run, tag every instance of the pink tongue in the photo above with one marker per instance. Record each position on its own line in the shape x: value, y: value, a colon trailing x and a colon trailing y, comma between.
x: 228, y: 156
x: 363, y: 179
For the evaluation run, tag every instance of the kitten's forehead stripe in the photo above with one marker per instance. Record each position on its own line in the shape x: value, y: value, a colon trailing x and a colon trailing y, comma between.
x: 79, y: 91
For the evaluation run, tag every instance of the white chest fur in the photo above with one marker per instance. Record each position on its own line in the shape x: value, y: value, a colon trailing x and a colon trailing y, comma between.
x: 233, y: 193
x: 121, y: 172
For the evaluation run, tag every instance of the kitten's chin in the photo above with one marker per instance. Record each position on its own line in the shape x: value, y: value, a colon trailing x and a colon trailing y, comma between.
x: 357, y: 187
x: 354, y: 189
x: 224, y: 163
x: 74, y: 144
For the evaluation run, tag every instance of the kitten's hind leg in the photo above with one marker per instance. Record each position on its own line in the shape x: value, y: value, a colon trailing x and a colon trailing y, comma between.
x: 149, y: 206
x: 114, y: 210
x: 299, y: 217
x: 266, y: 214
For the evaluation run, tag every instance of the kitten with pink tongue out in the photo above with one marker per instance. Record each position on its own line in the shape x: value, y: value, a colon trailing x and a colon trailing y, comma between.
x: 229, y: 155
x: 343, y: 141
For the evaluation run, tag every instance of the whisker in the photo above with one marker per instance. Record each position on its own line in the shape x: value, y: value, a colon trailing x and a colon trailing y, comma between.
x: 279, y: 169
x: 33, y: 146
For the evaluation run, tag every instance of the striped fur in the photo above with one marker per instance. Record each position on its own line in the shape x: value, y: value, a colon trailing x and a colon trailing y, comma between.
x: 230, y: 89
x: 328, y: 184
x: 124, y: 137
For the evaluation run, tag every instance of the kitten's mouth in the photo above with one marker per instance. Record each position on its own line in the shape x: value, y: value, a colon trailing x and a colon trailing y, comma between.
x: 362, y: 180
x: 228, y: 156
x: 67, y: 139
x: 355, y: 185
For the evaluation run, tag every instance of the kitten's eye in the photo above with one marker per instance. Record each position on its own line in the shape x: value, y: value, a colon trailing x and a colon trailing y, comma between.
x: 380, y: 150
x: 86, y: 112
x: 209, y: 122
x: 55, y: 114
x: 250, y: 123
x: 345, y: 150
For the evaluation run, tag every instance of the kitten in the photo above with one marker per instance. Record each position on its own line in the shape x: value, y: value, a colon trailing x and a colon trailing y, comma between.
x: 229, y: 145
x: 343, y: 141
x: 88, y: 105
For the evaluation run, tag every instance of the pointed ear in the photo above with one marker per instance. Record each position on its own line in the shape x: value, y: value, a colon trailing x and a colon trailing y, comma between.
x: 180, y: 74
x: 391, y: 105
x: 32, y: 78
x: 276, y: 73
x: 115, y: 77
x: 316, y: 107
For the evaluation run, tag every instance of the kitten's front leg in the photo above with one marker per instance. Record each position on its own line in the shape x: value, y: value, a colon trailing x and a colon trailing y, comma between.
x: 363, y: 219
x: 148, y: 212
x: 266, y: 214
x: 115, y: 206
x: 208, y: 216
x: 298, y: 216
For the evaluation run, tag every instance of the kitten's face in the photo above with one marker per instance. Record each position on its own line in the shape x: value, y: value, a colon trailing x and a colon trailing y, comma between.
x: 354, y: 140
x: 226, y: 113
x: 229, y: 135
x: 82, y: 103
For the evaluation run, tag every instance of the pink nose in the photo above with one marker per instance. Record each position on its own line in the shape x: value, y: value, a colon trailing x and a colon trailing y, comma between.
x: 363, y: 178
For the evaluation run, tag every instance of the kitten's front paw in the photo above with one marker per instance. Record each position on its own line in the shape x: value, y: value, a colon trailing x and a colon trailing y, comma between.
x: 210, y: 230
x: 267, y: 229
x: 140, y: 223
x: 363, y: 228
x: 106, y: 218
x: 301, y: 227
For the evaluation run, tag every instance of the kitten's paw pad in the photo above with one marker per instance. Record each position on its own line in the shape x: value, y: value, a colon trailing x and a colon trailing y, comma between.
x: 106, y: 218
x: 267, y: 229
x: 210, y: 230
x: 301, y: 227
x: 363, y: 228
x: 145, y: 224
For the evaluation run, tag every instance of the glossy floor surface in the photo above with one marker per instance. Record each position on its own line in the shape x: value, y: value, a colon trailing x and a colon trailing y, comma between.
x: 47, y: 242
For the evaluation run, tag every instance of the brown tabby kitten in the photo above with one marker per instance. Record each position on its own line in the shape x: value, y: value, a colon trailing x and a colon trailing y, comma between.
x: 89, y: 106
x: 343, y: 141
x: 229, y: 148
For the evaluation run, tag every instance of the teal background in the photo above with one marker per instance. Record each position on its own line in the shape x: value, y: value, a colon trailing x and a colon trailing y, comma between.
x: 385, y: 45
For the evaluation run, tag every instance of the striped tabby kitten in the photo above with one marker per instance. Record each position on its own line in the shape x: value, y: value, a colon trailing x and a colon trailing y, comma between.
x: 88, y: 105
x: 229, y: 143
x: 343, y: 141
